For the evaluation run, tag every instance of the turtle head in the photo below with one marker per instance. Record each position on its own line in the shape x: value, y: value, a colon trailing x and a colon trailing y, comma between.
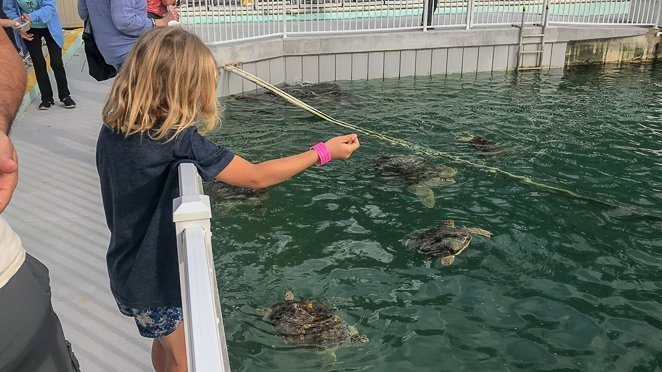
x: 447, y: 172
x: 458, y: 244
x: 448, y: 223
x: 289, y: 296
x: 359, y: 339
x: 464, y: 137
x: 355, y: 337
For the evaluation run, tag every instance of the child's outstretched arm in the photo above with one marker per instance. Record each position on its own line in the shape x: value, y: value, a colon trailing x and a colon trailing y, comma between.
x: 243, y: 173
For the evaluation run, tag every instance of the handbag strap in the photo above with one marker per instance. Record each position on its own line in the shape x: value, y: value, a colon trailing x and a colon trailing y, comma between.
x: 87, y: 26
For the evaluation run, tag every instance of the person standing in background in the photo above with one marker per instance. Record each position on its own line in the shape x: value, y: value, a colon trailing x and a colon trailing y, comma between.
x: 432, y: 7
x: 44, y: 23
x: 117, y: 25
x: 157, y: 9
x: 31, y: 337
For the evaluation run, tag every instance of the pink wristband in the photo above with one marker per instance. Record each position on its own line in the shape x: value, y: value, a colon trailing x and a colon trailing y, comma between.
x: 323, y: 153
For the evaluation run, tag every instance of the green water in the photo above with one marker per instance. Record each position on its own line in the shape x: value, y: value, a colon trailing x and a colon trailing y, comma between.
x: 563, y: 283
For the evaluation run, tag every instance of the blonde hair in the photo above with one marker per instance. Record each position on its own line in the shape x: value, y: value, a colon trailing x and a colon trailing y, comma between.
x: 167, y: 83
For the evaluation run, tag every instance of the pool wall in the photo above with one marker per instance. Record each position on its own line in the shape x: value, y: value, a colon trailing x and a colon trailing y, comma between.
x: 619, y: 50
x: 438, y: 52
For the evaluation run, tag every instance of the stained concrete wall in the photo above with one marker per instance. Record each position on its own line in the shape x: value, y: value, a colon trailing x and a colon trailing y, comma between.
x: 620, y: 50
x: 392, y: 55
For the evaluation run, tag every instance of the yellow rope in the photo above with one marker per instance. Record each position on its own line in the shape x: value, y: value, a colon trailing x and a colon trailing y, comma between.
x: 422, y: 149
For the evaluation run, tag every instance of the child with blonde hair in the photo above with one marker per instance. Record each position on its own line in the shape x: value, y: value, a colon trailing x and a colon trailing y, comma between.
x: 152, y: 118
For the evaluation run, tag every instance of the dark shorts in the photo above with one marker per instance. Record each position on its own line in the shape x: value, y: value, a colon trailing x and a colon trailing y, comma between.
x: 31, y: 337
x: 154, y: 322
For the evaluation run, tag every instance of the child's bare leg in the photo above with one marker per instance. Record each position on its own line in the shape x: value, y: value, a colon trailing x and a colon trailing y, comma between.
x: 174, y: 346
x: 158, y: 356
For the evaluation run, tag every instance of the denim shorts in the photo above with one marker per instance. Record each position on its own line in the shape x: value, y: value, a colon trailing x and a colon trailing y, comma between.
x: 154, y: 322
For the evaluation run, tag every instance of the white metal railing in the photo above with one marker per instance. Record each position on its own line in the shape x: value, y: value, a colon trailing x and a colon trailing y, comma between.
x: 205, y: 339
x: 220, y: 21
x: 605, y: 12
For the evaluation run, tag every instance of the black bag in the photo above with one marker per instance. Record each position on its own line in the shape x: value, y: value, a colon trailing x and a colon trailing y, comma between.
x: 97, y: 65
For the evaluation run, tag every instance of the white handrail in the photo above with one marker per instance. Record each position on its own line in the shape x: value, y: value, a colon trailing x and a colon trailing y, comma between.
x: 223, y: 22
x: 205, y: 339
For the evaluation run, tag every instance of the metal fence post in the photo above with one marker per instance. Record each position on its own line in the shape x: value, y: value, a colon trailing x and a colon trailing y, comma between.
x: 284, y: 19
x: 425, y: 14
x: 203, y: 322
x: 470, y: 13
x: 545, y: 12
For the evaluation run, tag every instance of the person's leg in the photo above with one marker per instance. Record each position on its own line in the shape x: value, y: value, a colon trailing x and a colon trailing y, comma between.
x: 39, y: 63
x: 432, y: 7
x: 165, y: 327
x: 174, y: 346
x: 32, y: 337
x: 159, y: 356
x: 55, y: 53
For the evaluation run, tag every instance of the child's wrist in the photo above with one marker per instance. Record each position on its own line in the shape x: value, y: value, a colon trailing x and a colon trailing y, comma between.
x: 323, y: 153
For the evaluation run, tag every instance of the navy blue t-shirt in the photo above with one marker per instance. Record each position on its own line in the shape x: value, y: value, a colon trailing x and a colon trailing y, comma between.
x: 138, y: 183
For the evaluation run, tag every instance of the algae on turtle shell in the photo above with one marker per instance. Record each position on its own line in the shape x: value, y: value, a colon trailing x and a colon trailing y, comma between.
x: 445, y: 241
x: 417, y: 173
x: 310, y: 324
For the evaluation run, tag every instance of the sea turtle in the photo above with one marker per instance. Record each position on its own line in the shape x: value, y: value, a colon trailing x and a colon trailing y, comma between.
x: 417, y: 173
x: 303, y: 91
x: 483, y: 145
x: 319, y: 91
x: 228, y: 196
x: 445, y: 241
x: 311, y: 324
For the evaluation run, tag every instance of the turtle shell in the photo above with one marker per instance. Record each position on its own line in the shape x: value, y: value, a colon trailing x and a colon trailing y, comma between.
x: 411, y: 169
x: 224, y: 191
x: 440, y: 241
x: 308, y: 323
x: 484, y: 145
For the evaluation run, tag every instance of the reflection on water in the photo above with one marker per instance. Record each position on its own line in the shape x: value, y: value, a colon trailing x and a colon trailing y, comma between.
x: 563, y: 283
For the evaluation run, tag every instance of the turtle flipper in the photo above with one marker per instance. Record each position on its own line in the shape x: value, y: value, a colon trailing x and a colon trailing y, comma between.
x: 439, y: 181
x: 448, y: 260
x: 226, y: 208
x: 329, y: 357
x: 503, y: 153
x: 464, y: 137
x: 478, y: 231
x: 424, y: 193
x: 265, y: 313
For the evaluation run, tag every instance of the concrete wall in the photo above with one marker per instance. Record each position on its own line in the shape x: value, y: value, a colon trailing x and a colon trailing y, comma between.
x: 392, y: 55
x: 620, y: 50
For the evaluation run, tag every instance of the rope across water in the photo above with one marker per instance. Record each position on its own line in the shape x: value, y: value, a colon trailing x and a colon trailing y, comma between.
x: 423, y: 149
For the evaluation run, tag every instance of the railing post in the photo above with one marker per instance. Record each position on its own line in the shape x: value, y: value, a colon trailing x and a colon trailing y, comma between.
x: 545, y: 13
x: 206, y: 348
x: 470, y: 13
x: 284, y: 19
x: 425, y: 14
x: 658, y: 24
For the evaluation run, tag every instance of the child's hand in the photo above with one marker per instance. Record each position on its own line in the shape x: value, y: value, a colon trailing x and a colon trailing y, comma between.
x: 342, y: 147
